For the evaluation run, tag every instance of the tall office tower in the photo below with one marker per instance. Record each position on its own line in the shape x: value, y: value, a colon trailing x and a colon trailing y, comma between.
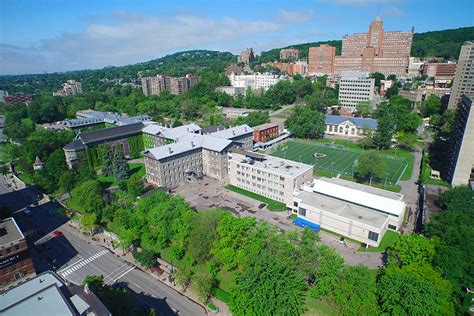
x: 461, y: 153
x: 321, y: 59
x: 463, y: 82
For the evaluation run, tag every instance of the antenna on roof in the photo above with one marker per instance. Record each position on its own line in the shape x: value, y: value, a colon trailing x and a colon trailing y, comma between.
x: 378, y: 12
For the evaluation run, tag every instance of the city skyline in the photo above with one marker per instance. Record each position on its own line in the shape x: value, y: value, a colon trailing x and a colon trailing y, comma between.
x: 74, y: 36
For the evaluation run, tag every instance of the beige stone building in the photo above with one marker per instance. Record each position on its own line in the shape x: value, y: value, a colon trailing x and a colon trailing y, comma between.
x: 288, y: 53
x: 268, y: 176
x: 349, y: 209
x: 321, y: 59
x: 463, y: 82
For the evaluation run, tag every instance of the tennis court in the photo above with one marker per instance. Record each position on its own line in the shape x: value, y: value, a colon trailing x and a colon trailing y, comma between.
x: 336, y: 159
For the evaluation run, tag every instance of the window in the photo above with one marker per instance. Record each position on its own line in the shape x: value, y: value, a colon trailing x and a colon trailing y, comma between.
x: 295, y: 204
x: 373, y: 236
x: 302, y: 211
x: 392, y: 227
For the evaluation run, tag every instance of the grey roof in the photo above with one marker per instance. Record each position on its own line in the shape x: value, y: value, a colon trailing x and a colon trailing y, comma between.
x: 89, y: 117
x: 264, y: 126
x: 9, y: 232
x: 234, y: 132
x: 357, y: 121
x: 189, y: 143
x: 75, y: 145
x: 212, y: 129
x: 174, y: 133
x: 41, y: 295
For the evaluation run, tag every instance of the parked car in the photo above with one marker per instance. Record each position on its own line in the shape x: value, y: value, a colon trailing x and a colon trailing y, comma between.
x: 57, y: 233
x: 157, y: 270
x: 262, y: 206
x: 28, y: 212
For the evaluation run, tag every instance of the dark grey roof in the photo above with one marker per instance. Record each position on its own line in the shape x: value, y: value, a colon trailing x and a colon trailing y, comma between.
x: 212, y: 129
x: 108, y: 133
x: 75, y: 145
x: 357, y: 121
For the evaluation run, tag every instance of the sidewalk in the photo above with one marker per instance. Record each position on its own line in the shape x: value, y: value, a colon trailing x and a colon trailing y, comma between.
x: 103, y: 240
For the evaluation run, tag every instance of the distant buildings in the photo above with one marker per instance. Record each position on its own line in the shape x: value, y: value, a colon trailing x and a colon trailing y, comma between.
x: 265, y: 132
x: 348, y: 126
x: 268, y: 176
x: 463, y: 82
x: 233, y: 113
x: 232, y: 68
x: 350, y: 209
x: 15, y: 260
x: 461, y: 151
x: 291, y: 68
x: 375, y: 51
x: 47, y: 294
x: 232, y: 91
x: 321, y: 59
x: 355, y: 87
x: 247, y: 56
x: 3, y: 94
x: 18, y: 98
x: 175, y: 85
x: 255, y: 81
x: 289, y: 53
x: 69, y: 88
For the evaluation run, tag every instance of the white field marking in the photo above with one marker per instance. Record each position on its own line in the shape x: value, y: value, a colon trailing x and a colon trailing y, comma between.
x: 123, y: 274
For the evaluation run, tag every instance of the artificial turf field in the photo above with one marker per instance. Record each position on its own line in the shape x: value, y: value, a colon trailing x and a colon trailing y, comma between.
x: 337, y: 158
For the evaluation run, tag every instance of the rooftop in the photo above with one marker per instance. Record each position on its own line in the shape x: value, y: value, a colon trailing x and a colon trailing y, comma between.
x: 371, y: 200
x: 264, y: 126
x: 365, y: 188
x: 357, y: 121
x: 274, y: 164
x: 9, y: 232
x: 348, y: 210
x: 233, y: 132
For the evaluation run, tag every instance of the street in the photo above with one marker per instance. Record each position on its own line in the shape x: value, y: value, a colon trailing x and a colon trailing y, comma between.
x: 74, y: 257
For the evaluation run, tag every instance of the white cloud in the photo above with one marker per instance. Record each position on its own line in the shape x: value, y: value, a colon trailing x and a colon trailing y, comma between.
x: 296, y: 17
x: 393, y: 11
x: 127, y: 38
x: 358, y: 2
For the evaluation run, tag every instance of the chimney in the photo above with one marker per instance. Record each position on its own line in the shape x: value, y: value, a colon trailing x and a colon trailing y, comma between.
x: 192, y: 144
x: 169, y: 149
x: 233, y: 131
x: 245, y: 128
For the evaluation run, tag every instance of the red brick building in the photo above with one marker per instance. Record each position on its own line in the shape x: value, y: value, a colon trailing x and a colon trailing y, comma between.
x: 265, y: 132
x: 18, y: 98
x: 15, y: 260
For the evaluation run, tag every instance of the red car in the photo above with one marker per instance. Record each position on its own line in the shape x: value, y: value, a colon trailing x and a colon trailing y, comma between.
x: 57, y: 233
x: 158, y: 271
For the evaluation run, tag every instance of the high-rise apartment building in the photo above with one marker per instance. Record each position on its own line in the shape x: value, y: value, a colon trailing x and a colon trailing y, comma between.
x: 461, y: 153
x: 289, y: 53
x: 247, y: 56
x: 463, y: 82
x: 375, y: 51
x: 321, y: 59
x: 175, y: 85
x: 69, y: 88
x: 355, y: 87
x: 18, y: 98
x: 291, y: 68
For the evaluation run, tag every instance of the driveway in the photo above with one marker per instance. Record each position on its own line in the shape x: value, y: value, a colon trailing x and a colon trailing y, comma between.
x: 209, y: 193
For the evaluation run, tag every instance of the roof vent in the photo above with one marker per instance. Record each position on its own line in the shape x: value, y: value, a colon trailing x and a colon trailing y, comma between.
x: 192, y: 144
x: 233, y: 131
x: 170, y: 150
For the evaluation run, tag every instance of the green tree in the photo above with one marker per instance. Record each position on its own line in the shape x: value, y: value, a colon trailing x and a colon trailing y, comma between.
x: 367, y: 140
x: 203, y: 282
x: 386, y: 123
x: 183, y: 276
x: 119, y: 164
x: 306, y: 123
x: 67, y: 181
x: 355, y: 293
x: 107, y: 169
x: 203, y: 234
x: 254, y: 119
x: 89, y: 195
x: 407, y: 140
x: 146, y: 258
x: 378, y: 77
x: 116, y: 300
x: 431, y: 106
x: 370, y: 165
x: 364, y: 108
x: 135, y: 185
x: 327, y: 266
x: 88, y: 222
x: 411, y: 248
x: 267, y: 287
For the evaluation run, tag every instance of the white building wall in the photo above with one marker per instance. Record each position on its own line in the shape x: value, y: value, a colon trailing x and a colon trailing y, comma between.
x: 355, y: 87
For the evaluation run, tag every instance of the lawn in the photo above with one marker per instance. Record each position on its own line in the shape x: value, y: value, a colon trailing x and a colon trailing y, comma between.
x: 318, y: 307
x: 272, y: 205
x: 338, y: 158
x: 387, y: 241
x: 109, y: 181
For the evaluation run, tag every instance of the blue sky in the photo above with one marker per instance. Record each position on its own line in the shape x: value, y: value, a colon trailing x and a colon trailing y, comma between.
x: 52, y: 35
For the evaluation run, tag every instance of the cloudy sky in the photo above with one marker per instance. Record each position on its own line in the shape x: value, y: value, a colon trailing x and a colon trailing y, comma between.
x: 51, y: 35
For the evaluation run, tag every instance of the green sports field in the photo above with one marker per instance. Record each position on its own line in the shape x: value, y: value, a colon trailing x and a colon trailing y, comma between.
x: 336, y: 159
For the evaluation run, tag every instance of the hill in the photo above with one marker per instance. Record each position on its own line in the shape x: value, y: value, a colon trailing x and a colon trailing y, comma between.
x: 446, y: 43
x: 177, y: 64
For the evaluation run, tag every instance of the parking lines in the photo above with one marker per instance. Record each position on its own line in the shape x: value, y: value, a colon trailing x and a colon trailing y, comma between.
x: 82, y: 263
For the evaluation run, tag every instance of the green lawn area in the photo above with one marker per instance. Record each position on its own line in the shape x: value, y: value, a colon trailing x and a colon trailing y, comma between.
x: 272, y: 205
x: 339, y: 158
x: 387, y: 241
x: 109, y: 181
x: 73, y: 205
x: 320, y: 307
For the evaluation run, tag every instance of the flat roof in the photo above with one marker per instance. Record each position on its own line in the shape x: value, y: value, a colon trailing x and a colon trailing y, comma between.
x: 9, y: 232
x: 264, y: 126
x: 275, y: 164
x: 39, y: 296
x: 233, y: 132
x: 356, y: 196
x: 348, y: 210
x: 365, y: 188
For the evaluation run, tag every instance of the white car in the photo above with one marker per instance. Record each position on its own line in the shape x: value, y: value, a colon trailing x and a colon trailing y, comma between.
x: 28, y: 212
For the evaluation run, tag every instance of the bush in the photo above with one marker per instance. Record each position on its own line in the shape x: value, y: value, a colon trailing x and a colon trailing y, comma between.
x: 146, y: 258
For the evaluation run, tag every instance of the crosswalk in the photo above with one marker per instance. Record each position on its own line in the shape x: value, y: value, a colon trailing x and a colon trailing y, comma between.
x: 81, y: 263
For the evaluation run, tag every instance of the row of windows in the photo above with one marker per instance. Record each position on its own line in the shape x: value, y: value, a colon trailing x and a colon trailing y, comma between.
x: 259, y: 189
x: 262, y: 180
x: 258, y: 172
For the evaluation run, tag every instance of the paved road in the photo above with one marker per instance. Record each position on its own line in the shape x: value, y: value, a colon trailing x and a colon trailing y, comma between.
x: 410, y: 190
x: 74, y: 257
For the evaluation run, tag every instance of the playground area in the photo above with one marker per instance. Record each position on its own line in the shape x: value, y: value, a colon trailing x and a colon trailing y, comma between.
x: 335, y: 159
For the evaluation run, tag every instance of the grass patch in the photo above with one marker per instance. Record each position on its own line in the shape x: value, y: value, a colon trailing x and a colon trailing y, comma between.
x: 319, y: 307
x: 293, y: 217
x: 426, y: 172
x: 74, y: 205
x: 138, y: 168
x: 212, y: 307
x: 221, y: 295
x: 272, y: 205
x: 387, y: 241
